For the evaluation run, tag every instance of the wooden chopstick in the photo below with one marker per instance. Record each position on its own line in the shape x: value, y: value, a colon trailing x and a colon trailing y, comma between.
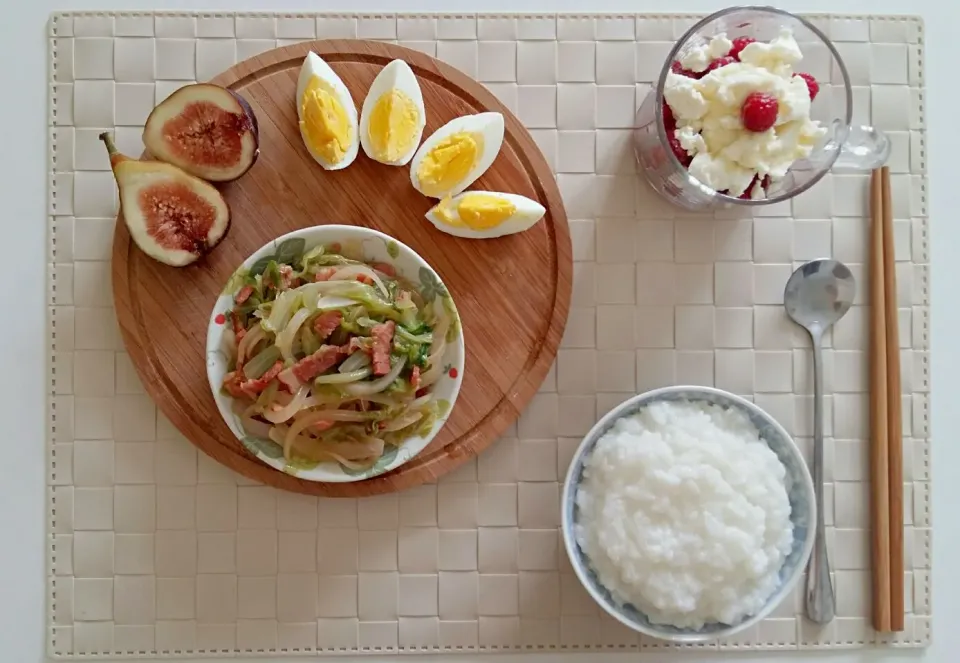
x: 894, y: 405
x: 879, y: 452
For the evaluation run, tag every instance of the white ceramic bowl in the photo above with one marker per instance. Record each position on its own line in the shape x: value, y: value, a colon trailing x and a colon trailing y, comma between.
x: 374, y: 246
x: 803, y: 512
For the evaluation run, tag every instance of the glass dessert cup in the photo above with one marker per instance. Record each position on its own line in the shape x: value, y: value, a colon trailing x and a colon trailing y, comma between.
x: 844, y: 147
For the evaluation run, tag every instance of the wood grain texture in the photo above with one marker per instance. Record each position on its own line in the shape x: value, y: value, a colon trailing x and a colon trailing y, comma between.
x: 879, y: 435
x: 512, y: 293
x: 894, y: 405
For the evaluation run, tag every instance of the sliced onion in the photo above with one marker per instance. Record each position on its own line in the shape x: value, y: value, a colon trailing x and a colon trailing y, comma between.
x: 319, y: 401
x: 343, y: 378
x: 420, y: 402
x: 329, y: 288
x: 228, y: 343
x: 354, y: 362
x: 281, y: 435
x: 248, y: 342
x: 343, y: 415
x: 439, y: 339
x: 402, y: 421
x: 432, y: 374
x: 331, y: 302
x: 352, y: 465
x: 255, y: 427
x: 437, y: 348
x: 371, y: 447
x: 307, y: 419
x: 355, y: 455
x: 291, y: 381
x: 353, y: 271
x: 261, y: 362
x: 299, y: 425
x: 283, y: 397
x: 289, y: 332
x: 309, y: 293
x: 376, y: 386
x: 381, y: 399
x: 288, y: 410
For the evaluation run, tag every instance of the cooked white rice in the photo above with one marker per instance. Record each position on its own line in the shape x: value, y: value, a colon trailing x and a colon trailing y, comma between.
x: 683, y: 513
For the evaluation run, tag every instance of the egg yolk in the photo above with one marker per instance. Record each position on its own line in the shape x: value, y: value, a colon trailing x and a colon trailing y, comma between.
x: 449, y: 162
x: 325, y: 124
x: 393, y: 125
x: 477, y: 211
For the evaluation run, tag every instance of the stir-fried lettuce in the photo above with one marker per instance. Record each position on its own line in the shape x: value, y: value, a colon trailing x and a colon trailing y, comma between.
x: 334, y: 357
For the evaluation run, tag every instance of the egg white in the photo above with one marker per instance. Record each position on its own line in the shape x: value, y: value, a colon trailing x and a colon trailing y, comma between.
x: 397, y: 75
x: 489, y: 124
x: 314, y: 65
x: 528, y: 213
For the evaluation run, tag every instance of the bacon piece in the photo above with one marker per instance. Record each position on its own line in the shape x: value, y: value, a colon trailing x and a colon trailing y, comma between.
x: 385, y: 268
x: 243, y: 294
x: 235, y: 319
x: 382, y: 341
x: 310, y: 367
x: 254, y: 386
x: 325, y: 274
x: 287, y: 279
x: 327, y: 323
x: 363, y: 278
x: 238, y: 331
x: 415, y: 378
x: 233, y: 382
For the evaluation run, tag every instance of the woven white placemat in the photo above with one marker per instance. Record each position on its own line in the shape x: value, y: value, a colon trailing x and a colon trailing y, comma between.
x: 155, y: 550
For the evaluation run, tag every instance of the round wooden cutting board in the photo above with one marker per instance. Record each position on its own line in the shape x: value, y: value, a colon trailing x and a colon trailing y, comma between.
x: 512, y: 293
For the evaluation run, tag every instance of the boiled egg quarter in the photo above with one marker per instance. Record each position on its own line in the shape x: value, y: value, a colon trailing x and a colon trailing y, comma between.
x: 457, y: 154
x: 485, y: 214
x: 393, y: 116
x: 327, y: 114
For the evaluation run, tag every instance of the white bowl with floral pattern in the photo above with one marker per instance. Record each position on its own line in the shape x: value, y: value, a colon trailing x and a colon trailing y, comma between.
x: 370, y: 246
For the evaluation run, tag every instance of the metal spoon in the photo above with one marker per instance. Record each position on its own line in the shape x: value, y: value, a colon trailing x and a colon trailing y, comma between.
x: 817, y: 295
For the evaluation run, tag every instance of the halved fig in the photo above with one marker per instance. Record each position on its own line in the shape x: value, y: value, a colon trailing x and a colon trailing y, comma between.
x: 207, y: 130
x: 174, y: 217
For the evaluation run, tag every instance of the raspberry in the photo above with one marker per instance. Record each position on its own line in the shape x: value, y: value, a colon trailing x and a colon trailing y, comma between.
x: 719, y: 62
x: 812, y: 85
x: 678, y: 150
x: 678, y: 69
x: 739, y: 44
x: 764, y: 183
x: 759, y: 111
x: 669, y: 121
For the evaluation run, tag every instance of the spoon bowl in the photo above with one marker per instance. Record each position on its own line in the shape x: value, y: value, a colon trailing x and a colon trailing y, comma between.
x: 819, y: 293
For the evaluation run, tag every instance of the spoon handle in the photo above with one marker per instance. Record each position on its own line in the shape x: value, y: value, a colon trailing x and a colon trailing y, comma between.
x: 820, y: 598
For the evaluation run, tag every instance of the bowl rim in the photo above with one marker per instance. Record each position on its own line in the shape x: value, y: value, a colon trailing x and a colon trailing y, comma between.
x: 215, y: 333
x: 569, y: 488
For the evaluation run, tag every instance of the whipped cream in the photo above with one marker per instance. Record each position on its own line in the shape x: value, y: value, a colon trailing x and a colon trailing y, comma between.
x: 727, y: 156
x: 697, y: 58
x: 782, y: 51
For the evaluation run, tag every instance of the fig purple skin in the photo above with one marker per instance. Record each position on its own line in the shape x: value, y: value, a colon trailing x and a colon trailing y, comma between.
x: 206, y: 130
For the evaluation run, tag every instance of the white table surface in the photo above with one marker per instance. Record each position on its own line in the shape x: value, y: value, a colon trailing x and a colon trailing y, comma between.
x: 23, y: 348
